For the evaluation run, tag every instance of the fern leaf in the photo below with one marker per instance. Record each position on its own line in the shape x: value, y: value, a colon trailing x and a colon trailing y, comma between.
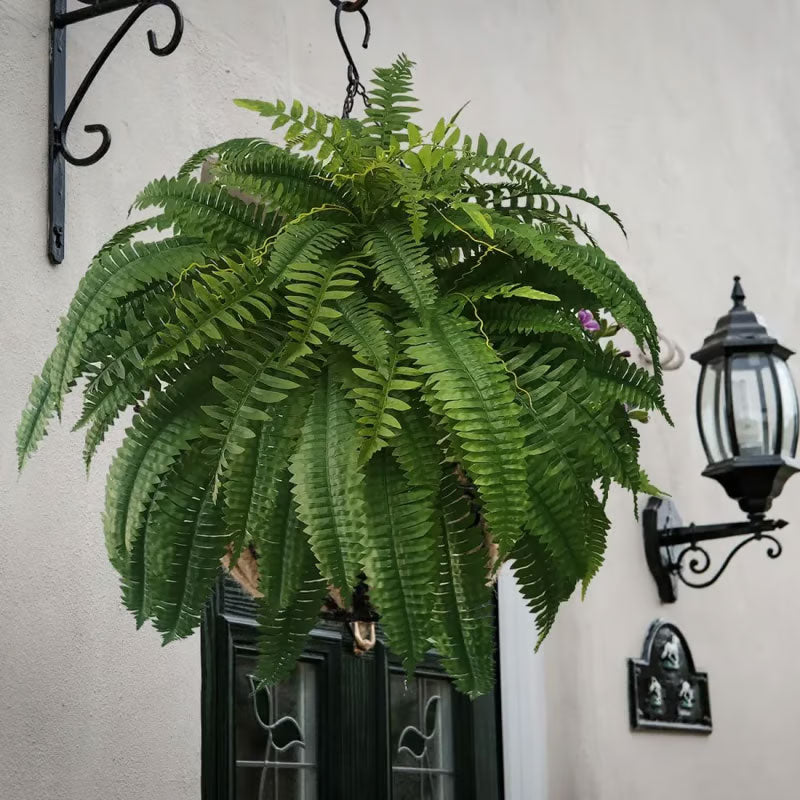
x: 400, y: 561
x: 163, y: 429
x: 391, y: 102
x: 119, y: 377
x: 417, y: 451
x: 304, y: 242
x: 229, y: 297
x: 308, y: 130
x: 286, y: 182
x: 540, y: 580
x: 33, y: 425
x: 478, y: 402
x: 254, y: 476
x: 378, y: 397
x: 112, y: 275
x: 253, y: 384
x: 463, y: 627
x: 402, y: 264
x: 328, y: 485
x: 591, y: 267
x: 597, y: 525
x: 292, y: 591
x: 363, y: 330
x: 208, y: 154
x: 311, y: 292
x: 512, y: 316
x: 184, y: 546
x: 192, y: 208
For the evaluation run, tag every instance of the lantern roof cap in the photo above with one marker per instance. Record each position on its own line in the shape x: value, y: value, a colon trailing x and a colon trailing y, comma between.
x: 739, y: 331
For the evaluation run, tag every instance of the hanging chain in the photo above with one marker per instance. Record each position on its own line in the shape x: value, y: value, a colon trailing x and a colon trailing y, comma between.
x: 355, y: 88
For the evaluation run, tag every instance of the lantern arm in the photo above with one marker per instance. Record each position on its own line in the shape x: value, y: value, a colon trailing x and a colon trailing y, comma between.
x: 674, y: 553
x: 691, y: 534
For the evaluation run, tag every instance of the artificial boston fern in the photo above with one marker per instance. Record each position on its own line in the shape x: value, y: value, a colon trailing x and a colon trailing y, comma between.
x: 360, y: 352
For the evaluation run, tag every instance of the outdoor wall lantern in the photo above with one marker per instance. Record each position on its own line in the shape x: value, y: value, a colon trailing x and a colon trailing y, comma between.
x: 747, y: 412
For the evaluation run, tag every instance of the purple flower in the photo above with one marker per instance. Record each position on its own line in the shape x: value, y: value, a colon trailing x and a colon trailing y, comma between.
x: 587, y: 321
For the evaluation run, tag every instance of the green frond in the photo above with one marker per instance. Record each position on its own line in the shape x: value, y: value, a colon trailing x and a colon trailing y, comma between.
x: 515, y: 317
x: 252, y: 385
x: 516, y: 163
x: 33, y: 425
x: 596, y: 534
x: 477, y: 400
x: 363, y: 330
x: 597, y: 432
x: 540, y: 580
x: 254, y: 476
x: 118, y: 376
x: 493, y: 289
x: 589, y: 265
x: 463, y: 627
x: 328, y: 484
x: 184, y: 544
x: 402, y: 264
x: 212, y: 153
x: 417, y: 450
x: 559, y: 482
x: 208, y: 210
x: 391, y: 102
x: 161, y: 431
x: 400, y: 560
x: 112, y: 275
x: 292, y: 589
x: 303, y: 242
x: 132, y: 566
x: 379, y: 399
x: 288, y: 183
x: 126, y: 234
x: 229, y: 295
x: 615, y: 377
x: 311, y: 291
x: 310, y: 130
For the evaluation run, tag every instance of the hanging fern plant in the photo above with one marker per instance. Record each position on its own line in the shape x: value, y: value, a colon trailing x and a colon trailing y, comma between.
x: 369, y: 351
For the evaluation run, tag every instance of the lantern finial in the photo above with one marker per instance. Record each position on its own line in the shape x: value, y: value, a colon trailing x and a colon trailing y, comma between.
x: 737, y: 295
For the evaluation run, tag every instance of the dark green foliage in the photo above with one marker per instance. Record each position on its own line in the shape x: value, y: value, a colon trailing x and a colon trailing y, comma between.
x: 356, y: 354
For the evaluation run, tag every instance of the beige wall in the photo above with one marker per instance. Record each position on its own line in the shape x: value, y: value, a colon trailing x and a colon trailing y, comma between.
x: 684, y: 115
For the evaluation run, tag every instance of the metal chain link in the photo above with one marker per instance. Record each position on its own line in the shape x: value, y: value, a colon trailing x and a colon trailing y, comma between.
x: 355, y: 88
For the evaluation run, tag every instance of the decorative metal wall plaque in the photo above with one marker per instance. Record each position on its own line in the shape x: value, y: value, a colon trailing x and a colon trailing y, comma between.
x: 665, y: 691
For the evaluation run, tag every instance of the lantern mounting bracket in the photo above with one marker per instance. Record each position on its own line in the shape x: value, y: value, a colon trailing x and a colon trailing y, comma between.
x: 671, y: 547
x: 61, y: 113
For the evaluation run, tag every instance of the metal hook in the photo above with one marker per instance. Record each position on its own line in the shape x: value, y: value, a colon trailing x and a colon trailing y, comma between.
x: 354, y: 85
x: 60, y: 133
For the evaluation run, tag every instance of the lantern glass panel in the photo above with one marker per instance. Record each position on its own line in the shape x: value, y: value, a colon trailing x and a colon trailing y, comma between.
x: 754, y: 396
x: 788, y: 399
x: 713, y: 412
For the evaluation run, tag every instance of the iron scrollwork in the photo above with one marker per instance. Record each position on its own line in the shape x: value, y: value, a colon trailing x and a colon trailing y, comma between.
x: 673, y: 550
x: 699, y: 560
x: 61, y: 114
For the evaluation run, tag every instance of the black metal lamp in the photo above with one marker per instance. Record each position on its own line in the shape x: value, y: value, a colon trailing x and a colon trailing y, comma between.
x: 747, y: 413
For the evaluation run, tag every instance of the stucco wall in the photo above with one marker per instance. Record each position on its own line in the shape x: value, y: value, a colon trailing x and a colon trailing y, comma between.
x: 683, y: 115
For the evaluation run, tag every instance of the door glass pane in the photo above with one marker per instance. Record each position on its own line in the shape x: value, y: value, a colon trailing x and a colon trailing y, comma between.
x: 422, y: 738
x: 276, y: 739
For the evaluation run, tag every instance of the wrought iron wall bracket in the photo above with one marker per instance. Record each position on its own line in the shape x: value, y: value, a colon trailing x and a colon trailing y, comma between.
x: 61, y: 113
x: 671, y: 547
